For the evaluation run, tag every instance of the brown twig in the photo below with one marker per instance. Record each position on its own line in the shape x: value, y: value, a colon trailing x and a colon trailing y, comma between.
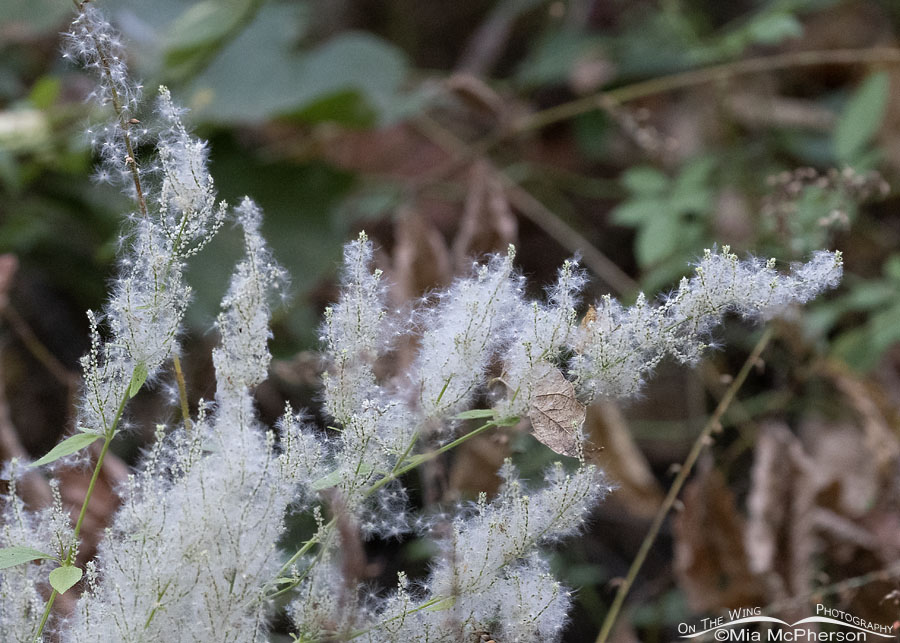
x: 537, y: 212
x: 694, y: 77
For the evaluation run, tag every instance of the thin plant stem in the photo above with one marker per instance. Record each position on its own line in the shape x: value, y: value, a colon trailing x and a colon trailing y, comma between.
x: 45, y: 616
x: 182, y: 392
x: 613, y: 98
x: 694, y: 77
x: 700, y: 443
x: 530, y: 207
x: 109, y: 434
x: 37, y: 348
x: 70, y: 557
x: 395, y: 473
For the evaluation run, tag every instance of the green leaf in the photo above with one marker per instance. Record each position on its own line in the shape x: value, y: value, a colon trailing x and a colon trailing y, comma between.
x: 70, y: 445
x: 636, y: 211
x: 645, y: 180
x: 861, y: 118
x: 357, y: 76
x: 552, y: 57
x: 891, y: 268
x: 773, y: 28
x: 474, y: 414
x: 205, y: 23
x: 657, y: 239
x: 695, y: 174
x: 62, y: 578
x: 45, y: 91
x: 12, y: 556
x: 696, y: 200
x: 137, y: 379
x: 869, y: 295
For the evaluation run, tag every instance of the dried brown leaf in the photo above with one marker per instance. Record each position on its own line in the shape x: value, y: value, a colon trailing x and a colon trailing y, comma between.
x: 556, y: 415
x: 771, y: 483
x: 710, y: 560
x: 622, y: 460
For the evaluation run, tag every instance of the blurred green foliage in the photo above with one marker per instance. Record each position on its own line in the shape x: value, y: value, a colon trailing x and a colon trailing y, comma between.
x: 259, y: 76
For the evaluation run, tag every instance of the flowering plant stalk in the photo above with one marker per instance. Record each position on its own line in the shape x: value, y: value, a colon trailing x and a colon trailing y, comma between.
x: 193, y: 552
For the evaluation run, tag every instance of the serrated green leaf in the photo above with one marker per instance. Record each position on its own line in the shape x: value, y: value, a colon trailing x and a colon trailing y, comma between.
x: 359, y: 75
x: 137, y: 379
x: 12, y: 556
x: 861, y: 117
x: 70, y: 445
x: 474, y: 414
x: 645, y: 180
x: 62, y: 578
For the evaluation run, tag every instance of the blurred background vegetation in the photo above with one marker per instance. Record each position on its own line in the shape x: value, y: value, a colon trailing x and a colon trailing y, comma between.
x: 634, y: 133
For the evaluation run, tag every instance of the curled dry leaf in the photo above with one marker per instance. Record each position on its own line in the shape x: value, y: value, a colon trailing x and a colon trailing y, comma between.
x: 555, y: 413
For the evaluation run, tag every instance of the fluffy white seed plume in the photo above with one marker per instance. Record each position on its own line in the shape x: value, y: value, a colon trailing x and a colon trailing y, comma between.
x: 355, y: 332
x: 107, y: 369
x: 21, y: 600
x: 542, y: 332
x: 461, y: 334
x: 193, y: 547
x: 148, y: 298
x: 191, y: 555
x: 619, y: 347
x: 186, y: 197
x: 376, y: 428
x: 242, y: 359
x: 92, y: 42
x: 487, y: 577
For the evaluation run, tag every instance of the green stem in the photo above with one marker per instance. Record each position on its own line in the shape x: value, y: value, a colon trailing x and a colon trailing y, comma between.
x: 37, y: 636
x: 678, y: 483
x: 306, y: 547
x: 427, y: 457
x: 182, y: 393
x: 70, y: 557
x: 395, y: 473
x: 109, y: 434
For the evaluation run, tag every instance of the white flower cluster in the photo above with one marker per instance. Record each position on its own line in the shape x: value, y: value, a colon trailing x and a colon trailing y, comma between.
x: 461, y: 333
x: 192, y: 549
x: 92, y: 42
x: 618, y: 346
x: 489, y: 574
x: 192, y: 554
x: 21, y: 602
